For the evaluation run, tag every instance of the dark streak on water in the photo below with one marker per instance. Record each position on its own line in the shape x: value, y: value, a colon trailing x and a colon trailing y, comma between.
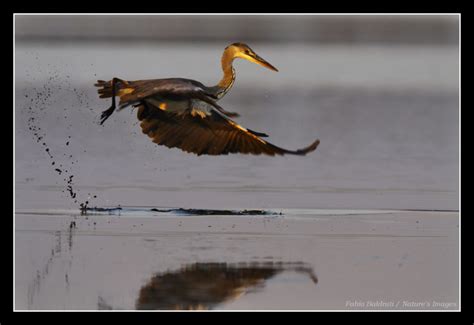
x: 178, y: 211
x: 56, y: 252
x: 207, y: 212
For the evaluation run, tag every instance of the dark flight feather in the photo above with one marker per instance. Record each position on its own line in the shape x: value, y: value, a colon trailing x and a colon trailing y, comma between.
x: 209, y: 135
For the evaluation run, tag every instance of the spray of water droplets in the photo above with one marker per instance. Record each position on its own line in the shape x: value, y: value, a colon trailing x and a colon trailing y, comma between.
x: 41, y: 100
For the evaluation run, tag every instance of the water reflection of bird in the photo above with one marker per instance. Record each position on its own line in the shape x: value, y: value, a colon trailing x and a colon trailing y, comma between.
x: 184, y: 113
x: 206, y: 285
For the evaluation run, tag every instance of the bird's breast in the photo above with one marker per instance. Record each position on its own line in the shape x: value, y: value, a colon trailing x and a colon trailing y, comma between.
x: 195, y: 107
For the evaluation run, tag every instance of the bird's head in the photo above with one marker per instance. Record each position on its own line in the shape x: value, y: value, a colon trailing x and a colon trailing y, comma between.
x: 243, y: 51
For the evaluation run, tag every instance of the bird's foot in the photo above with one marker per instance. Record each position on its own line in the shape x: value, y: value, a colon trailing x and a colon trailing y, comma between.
x: 105, y: 114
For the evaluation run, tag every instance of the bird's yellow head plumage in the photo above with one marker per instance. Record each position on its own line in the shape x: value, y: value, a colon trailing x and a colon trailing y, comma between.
x: 243, y: 51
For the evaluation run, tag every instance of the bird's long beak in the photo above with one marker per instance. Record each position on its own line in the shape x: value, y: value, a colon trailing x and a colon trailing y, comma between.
x: 258, y: 60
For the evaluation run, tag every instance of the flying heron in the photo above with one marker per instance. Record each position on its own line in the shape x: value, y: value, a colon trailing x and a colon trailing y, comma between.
x: 184, y: 113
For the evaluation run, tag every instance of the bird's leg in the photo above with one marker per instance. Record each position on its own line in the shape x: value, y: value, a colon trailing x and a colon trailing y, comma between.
x: 105, y: 114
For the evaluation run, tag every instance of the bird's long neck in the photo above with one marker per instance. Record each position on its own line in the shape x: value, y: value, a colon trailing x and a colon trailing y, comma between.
x: 229, y: 74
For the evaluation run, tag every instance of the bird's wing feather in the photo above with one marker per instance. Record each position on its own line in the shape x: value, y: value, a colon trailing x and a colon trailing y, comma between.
x: 210, y: 133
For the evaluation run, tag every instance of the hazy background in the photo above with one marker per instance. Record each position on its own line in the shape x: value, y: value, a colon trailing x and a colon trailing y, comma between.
x: 309, y: 29
x: 380, y: 92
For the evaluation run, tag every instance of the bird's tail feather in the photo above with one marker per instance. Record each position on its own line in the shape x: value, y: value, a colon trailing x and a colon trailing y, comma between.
x: 106, y: 88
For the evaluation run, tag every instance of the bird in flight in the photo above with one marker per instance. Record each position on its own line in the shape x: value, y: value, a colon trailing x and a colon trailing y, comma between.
x: 183, y: 113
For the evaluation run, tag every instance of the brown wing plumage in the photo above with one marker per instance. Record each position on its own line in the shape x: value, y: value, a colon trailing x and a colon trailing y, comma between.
x: 203, y: 134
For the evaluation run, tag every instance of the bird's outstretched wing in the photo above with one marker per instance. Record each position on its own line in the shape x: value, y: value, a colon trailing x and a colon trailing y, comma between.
x: 205, y: 134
